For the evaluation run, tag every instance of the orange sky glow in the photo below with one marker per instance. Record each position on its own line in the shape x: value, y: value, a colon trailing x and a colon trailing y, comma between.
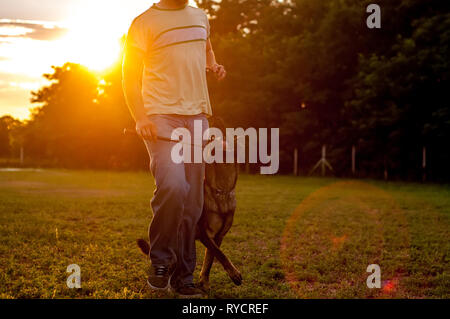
x: 33, y: 38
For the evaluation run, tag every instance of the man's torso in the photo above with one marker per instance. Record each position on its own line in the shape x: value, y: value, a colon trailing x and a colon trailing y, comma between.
x: 174, y: 78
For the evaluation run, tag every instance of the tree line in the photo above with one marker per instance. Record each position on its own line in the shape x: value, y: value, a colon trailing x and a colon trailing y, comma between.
x: 311, y: 68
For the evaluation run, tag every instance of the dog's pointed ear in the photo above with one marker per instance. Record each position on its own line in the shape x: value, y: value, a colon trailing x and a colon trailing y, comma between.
x: 217, y: 122
x: 144, y: 246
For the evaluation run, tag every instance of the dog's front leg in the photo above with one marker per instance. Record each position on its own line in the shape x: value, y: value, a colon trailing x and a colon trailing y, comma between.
x: 207, y: 264
x: 206, y: 268
x: 232, y: 271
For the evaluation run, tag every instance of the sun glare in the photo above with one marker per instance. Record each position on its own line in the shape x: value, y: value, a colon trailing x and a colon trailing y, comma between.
x: 95, y: 29
x: 14, y: 31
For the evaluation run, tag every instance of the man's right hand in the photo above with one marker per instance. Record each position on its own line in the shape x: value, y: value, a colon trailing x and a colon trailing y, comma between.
x: 146, y: 129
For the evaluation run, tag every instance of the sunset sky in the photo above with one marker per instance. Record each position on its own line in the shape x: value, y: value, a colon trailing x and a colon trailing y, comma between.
x: 36, y: 34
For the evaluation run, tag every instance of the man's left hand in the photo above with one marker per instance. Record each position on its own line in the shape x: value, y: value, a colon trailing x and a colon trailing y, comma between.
x: 219, y: 71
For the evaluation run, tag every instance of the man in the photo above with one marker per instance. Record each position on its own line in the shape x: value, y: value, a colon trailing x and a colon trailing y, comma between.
x: 164, y: 77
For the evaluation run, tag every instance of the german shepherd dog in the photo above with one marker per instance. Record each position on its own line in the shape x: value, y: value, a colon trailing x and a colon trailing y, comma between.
x: 217, y: 216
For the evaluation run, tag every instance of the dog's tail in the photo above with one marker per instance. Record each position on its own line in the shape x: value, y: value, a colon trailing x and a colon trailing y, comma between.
x: 144, y: 246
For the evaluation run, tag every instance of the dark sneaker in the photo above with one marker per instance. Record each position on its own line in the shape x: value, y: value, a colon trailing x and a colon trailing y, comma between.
x: 187, y: 291
x: 159, y: 278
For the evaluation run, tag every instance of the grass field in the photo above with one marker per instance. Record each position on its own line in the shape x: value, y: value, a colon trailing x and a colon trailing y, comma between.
x: 292, y: 237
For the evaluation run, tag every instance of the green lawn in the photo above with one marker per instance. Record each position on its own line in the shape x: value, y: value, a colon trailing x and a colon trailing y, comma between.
x: 292, y: 237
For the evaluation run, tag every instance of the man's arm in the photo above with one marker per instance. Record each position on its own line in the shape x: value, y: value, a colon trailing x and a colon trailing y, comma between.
x: 211, y: 63
x: 132, y: 68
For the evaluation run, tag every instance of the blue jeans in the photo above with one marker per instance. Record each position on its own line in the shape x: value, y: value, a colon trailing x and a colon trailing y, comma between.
x: 177, y: 202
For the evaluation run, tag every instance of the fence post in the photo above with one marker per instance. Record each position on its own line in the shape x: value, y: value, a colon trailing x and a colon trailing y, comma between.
x: 323, y: 163
x: 324, y: 155
x: 295, y: 162
x: 353, y: 160
x: 424, y: 164
x: 21, y: 155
